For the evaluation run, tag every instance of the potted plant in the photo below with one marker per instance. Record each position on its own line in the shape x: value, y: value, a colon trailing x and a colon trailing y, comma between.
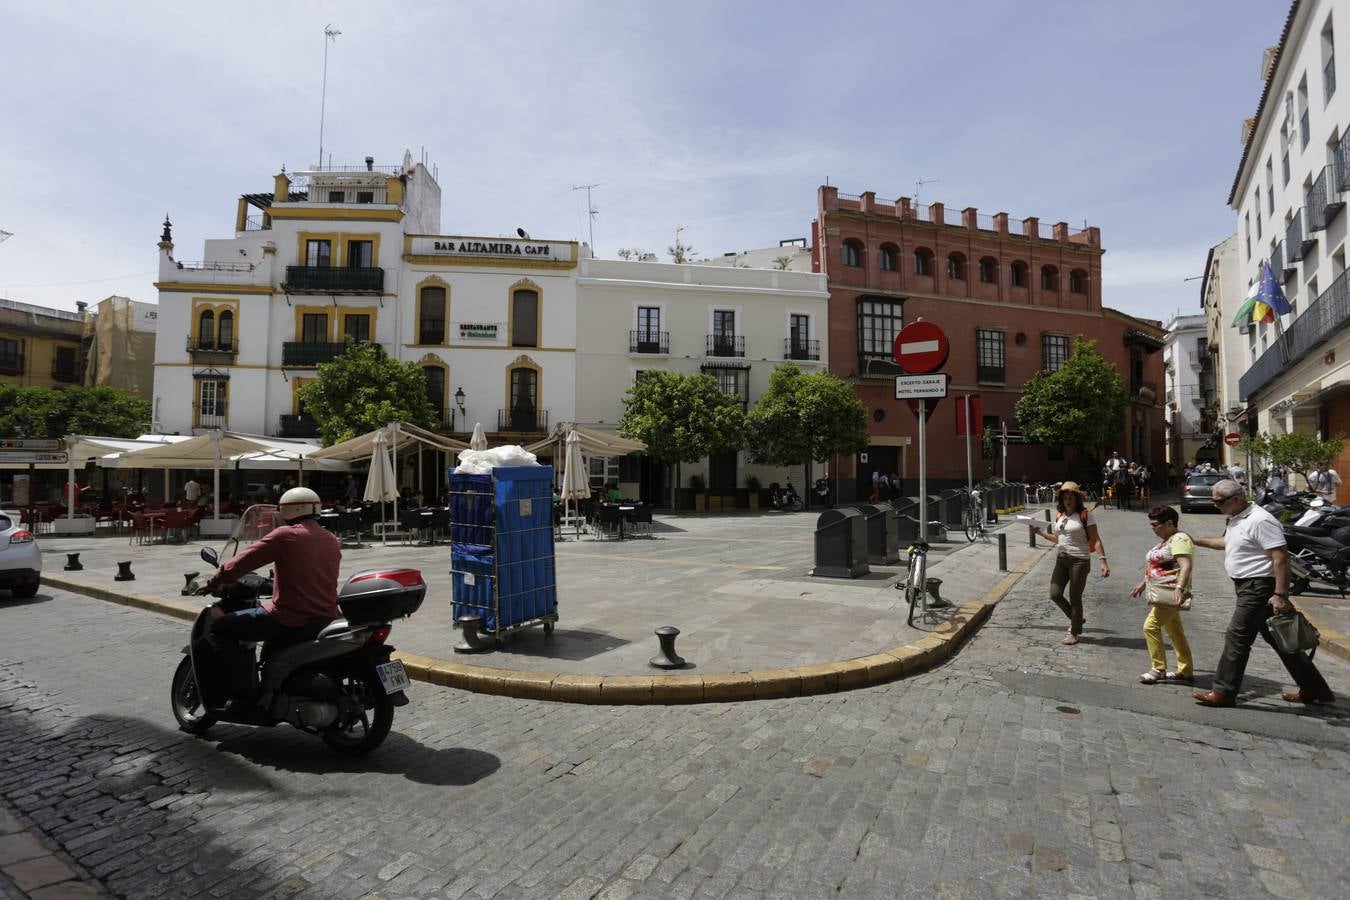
x: 752, y: 490
x: 699, y: 486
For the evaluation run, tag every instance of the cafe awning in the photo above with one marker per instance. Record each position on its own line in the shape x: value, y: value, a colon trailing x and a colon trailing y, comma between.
x: 361, y: 446
x: 593, y: 442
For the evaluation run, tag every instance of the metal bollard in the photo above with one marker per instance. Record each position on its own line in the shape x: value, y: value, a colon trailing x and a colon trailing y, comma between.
x: 124, y: 572
x: 471, y: 641
x: 667, y: 658
x: 1047, y: 516
x: 73, y: 563
x: 934, y: 587
x: 1002, y: 552
x: 1031, y: 539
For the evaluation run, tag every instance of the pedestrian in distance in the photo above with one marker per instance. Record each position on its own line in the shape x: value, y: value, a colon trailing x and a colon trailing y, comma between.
x: 1167, y: 586
x: 1257, y: 560
x: 883, y: 487
x: 1324, y: 480
x: 1074, y: 532
x: 896, y: 488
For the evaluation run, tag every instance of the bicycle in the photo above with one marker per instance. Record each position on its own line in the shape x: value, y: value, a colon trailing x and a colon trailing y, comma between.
x: 915, y: 584
x: 972, y: 516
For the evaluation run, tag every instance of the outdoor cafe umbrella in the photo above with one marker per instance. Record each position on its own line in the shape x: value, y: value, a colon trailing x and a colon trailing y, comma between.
x: 380, y: 486
x: 575, y: 483
x: 479, y: 440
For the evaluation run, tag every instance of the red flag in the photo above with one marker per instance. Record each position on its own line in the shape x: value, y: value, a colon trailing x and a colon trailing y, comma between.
x: 969, y: 415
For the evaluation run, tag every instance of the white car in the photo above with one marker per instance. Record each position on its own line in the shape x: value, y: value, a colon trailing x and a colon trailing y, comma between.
x: 20, y: 558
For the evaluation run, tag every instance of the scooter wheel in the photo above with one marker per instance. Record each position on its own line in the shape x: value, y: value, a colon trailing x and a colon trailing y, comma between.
x: 189, y: 709
x: 360, y: 737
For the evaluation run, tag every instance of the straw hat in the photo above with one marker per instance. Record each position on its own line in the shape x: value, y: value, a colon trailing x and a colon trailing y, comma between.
x: 1073, y: 487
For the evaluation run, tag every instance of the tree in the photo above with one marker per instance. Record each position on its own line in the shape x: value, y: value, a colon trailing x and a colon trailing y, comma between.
x: 681, y: 418
x: 1296, y: 451
x: 679, y: 251
x: 363, y: 389
x: 40, y: 412
x: 1081, y: 406
x: 637, y: 254
x: 782, y: 262
x: 805, y: 417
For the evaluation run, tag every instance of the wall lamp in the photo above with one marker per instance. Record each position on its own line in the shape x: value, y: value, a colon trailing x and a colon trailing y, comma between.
x: 459, y: 399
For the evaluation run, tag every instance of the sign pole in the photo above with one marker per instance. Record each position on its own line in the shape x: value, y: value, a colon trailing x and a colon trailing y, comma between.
x: 970, y: 473
x: 923, y: 472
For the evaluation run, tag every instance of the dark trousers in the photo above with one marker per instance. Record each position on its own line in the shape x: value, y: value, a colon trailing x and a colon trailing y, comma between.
x: 1072, y: 572
x: 227, y: 636
x: 1249, y: 620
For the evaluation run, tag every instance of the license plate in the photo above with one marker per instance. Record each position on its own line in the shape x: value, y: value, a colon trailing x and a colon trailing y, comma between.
x: 393, y: 676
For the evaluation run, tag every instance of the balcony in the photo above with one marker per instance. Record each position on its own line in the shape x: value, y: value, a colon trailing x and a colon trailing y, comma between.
x: 209, y: 352
x: 522, y: 420
x: 298, y: 426
x: 1296, y: 244
x: 800, y: 349
x: 1143, y: 391
x: 308, y: 354
x: 1324, y: 200
x: 726, y: 345
x: 445, y: 420
x: 214, y: 417
x: 12, y: 364
x: 641, y: 341
x: 1326, y: 316
x: 333, y: 280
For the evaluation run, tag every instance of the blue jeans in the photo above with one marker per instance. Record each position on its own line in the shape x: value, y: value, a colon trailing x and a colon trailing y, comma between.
x: 227, y: 636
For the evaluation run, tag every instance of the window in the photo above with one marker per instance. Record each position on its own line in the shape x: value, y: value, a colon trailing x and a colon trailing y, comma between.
x: 431, y: 316
x: 206, y: 329
x: 1270, y: 187
x: 318, y: 254
x: 956, y: 266
x: 314, y: 328
x: 1049, y: 278
x: 732, y: 382
x: 435, y: 377
x: 799, y: 337
x: 524, y: 399
x: 211, y: 396
x: 649, y: 324
x: 1258, y: 213
x: 1077, y: 282
x: 1304, y: 132
x: 989, y: 270
x: 1284, y: 166
x: 1054, y: 350
x: 1018, y: 273
x: 225, y: 335
x: 357, y: 327
x: 989, y: 355
x: 991, y: 425
x: 360, y: 254
x: 11, y: 357
x: 1328, y: 63
x: 524, y: 318
x: 923, y: 261
x: 886, y: 256
x: 365, y: 196
x: 64, y: 363
x: 337, y: 196
x: 851, y: 253
x: 1247, y: 228
x: 879, y: 321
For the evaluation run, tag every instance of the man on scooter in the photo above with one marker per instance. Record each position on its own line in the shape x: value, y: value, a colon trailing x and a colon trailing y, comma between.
x: 304, y: 593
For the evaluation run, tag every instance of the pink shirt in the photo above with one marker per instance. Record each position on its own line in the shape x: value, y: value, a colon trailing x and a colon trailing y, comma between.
x: 307, y: 558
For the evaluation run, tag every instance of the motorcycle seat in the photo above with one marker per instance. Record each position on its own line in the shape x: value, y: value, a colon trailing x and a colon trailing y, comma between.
x: 301, y: 635
x: 336, y: 626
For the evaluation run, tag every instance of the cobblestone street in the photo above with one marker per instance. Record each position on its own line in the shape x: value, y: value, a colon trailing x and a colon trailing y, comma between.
x: 1021, y: 767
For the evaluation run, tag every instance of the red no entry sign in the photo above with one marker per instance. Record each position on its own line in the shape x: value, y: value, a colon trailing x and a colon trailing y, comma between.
x: 921, y: 348
x: 1232, y: 438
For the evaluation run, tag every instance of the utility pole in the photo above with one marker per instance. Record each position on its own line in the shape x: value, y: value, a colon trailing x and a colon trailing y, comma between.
x: 591, y: 211
x: 329, y: 37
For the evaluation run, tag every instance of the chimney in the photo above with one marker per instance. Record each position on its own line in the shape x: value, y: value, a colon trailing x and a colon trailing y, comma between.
x: 81, y: 306
x: 370, y: 164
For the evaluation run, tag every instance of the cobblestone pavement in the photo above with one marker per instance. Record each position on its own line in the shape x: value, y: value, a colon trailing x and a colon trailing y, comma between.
x: 1021, y: 768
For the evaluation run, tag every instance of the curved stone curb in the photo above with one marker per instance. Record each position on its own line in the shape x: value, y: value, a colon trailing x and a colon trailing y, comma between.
x: 672, y: 689
x: 1332, y: 641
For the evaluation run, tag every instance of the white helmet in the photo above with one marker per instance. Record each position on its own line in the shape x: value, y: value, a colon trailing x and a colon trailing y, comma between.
x: 297, y: 502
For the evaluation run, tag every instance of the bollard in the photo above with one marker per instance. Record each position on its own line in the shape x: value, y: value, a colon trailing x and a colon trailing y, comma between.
x: 667, y: 659
x: 124, y: 572
x: 1031, y: 538
x: 468, y: 629
x: 1047, y: 517
x: 1002, y: 552
x: 73, y: 563
x: 934, y: 586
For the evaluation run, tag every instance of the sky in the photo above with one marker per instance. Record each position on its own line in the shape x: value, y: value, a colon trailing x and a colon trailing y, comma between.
x: 722, y: 118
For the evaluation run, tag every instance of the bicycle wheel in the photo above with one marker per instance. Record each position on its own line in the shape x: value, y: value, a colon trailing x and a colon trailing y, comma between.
x: 971, y: 523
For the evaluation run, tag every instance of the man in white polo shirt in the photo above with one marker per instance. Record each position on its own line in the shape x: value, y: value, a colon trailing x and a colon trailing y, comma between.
x: 1258, y: 562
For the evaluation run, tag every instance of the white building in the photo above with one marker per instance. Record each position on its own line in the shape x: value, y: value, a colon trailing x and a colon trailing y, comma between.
x: 1185, y: 354
x: 735, y: 324
x: 355, y: 252
x: 1222, y: 293
x: 1289, y: 195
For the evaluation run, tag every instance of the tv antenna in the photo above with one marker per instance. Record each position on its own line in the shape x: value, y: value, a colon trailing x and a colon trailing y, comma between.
x: 330, y: 35
x: 918, y: 187
x: 591, y: 211
x: 5, y: 235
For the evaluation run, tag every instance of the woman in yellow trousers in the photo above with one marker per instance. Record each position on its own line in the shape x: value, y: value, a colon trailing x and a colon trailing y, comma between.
x: 1167, y: 580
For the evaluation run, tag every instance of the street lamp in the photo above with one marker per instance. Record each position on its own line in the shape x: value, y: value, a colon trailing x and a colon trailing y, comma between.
x: 459, y: 399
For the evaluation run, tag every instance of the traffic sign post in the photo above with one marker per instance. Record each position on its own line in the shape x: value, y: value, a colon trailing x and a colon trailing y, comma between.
x: 920, y: 349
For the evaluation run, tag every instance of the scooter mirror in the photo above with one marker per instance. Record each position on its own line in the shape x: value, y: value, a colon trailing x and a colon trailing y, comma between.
x: 209, y: 555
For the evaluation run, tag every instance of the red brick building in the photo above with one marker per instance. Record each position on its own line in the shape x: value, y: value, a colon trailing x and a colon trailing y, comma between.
x: 1011, y: 295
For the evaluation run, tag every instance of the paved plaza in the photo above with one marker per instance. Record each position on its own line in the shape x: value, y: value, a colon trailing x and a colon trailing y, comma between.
x: 1018, y: 768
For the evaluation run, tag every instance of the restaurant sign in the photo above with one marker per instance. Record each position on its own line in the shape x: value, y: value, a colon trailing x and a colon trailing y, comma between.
x: 478, y: 330
x: 491, y: 248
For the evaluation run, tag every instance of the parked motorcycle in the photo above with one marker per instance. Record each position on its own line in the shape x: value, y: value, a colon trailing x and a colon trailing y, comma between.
x: 823, y: 491
x: 338, y: 682
x: 786, y: 498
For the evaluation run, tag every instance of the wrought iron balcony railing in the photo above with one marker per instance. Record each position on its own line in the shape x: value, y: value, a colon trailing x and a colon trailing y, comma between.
x: 446, y: 419
x: 298, y: 426
x: 210, y: 350
x: 642, y: 341
x: 1277, y: 260
x: 726, y: 345
x: 1295, y: 243
x: 215, y: 417
x: 1324, y: 200
x: 334, y: 279
x: 1324, y: 318
x: 522, y: 420
x: 800, y: 349
x: 309, y: 354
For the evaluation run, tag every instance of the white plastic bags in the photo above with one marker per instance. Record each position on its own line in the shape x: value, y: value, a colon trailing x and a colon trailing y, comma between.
x: 482, y: 462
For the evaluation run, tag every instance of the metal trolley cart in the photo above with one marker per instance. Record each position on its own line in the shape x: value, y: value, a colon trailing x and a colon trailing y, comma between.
x: 501, y: 548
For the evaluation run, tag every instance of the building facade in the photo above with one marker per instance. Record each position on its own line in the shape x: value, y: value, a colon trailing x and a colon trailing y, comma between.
x: 1221, y: 294
x: 1289, y: 196
x: 1011, y: 295
x: 39, y: 346
x: 119, y: 346
x: 735, y: 324
x: 1187, y: 365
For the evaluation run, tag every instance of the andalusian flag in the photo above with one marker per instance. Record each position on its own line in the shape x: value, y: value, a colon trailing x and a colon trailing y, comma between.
x: 1244, y: 313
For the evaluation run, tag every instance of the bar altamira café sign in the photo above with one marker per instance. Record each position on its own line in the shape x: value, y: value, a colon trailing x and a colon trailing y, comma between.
x: 491, y: 248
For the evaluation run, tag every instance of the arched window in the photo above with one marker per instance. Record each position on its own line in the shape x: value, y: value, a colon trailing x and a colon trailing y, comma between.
x: 1049, y: 278
x: 923, y: 261
x: 887, y: 254
x: 225, y: 335
x: 206, y: 330
x: 524, y: 317
x: 988, y: 270
x: 1019, y: 272
x: 1078, y: 282
x: 431, y: 315
x: 524, y: 399
x: 435, y: 376
x: 956, y: 266
x: 851, y: 252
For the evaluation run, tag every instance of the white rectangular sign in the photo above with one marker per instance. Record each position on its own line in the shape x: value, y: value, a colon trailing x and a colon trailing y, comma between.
x: 491, y: 248
x: 32, y: 444
x: 32, y: 456
x: 915, y: 387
